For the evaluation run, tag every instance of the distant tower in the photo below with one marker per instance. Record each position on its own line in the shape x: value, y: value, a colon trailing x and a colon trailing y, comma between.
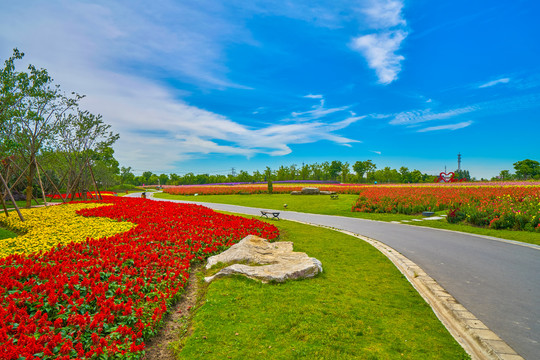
x: 233, y: 172
x: 459, y: 162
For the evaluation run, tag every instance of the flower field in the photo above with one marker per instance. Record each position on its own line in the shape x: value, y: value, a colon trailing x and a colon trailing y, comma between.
x: 105, y: 292
x: 499, y: 207
x: 285, y: 188
x: 257, y: 189
x: 54, y: 225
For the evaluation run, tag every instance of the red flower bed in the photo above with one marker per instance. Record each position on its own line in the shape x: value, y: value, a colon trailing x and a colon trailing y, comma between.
x: 499, y: 207
x: 107, y: 296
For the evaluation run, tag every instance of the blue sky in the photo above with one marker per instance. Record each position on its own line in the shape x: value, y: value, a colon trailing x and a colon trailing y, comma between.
x: 205, y: 86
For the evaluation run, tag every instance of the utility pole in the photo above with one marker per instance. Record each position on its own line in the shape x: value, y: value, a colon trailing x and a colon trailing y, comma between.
x: 459, y: 162
x: 233, y: 172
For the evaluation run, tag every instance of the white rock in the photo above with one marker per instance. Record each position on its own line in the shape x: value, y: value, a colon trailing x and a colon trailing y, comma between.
x: 279, y: 262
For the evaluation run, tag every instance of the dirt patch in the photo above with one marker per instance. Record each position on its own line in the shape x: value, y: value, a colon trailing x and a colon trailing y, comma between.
x: 176, y: 323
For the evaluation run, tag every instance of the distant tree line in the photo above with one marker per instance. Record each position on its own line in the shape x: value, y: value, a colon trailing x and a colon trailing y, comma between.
x: 524, y: 170
x: 360, y: 172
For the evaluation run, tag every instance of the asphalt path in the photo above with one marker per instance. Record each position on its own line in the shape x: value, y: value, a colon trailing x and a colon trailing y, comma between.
x: 497, y: 280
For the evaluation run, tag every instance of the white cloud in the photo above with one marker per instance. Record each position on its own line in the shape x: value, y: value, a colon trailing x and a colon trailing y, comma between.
x: 110, y: 51
x: 420, y: 116
x: 376, y: 152
x: 380, y: 48
x: 385, y: 14
x: 494, y: 82
x: 452, y: 127
x: 380, y: 53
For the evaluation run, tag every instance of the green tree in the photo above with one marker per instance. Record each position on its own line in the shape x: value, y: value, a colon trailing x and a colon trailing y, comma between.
x: 505, y: 175
x: 462, y: 174
x: 305, y: 172
x: 127, y: 176
x: 416, y: 176
x: 526, y: 169
x: 86, y: 141
x: 153, y: 180
x: 335, y: 169
x: 364, y: 167
x: 35, y: 118
x: 163, y: 179
x: 345, y: 171
x: 146, y: 176
x: 174, y: 179
x: 405, y: 174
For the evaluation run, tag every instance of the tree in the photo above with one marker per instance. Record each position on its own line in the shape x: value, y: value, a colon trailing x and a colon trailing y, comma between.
x: 505, y: 175
x: 345, y: 171
x: 334, y: 169
x: 127, y: 176
x: 526, y: 169
x: 163, y: 179
x: 105, y: 166
x: 405, y: 174
x: 363, y: 167
x: 416, y: 176
x: 243, y: 176
x: 153, y: 180
x: 462, y: 174
x: 305, y: 171
x: 10, y: 95
x: 32, y: 121
x: 267, y: 174
x: 174, y: 179
x: 86, y: 142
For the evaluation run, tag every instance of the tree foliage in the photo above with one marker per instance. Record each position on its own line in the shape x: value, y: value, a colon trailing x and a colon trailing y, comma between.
x: 38, y: 118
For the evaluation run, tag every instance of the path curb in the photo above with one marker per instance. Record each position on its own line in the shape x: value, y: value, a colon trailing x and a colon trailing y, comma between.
x: 472, y: 334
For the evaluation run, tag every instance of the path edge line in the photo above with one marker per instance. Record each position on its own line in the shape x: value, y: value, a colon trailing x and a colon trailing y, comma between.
x: 472, y: 334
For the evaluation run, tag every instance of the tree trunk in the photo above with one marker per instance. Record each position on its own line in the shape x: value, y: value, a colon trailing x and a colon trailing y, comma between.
x: 29, y: 180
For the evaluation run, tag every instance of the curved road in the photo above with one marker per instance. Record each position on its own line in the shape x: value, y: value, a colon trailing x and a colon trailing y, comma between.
x: 497, y: 280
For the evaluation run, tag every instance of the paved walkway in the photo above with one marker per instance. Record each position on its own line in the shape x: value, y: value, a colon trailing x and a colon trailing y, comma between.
x: 495, y: 279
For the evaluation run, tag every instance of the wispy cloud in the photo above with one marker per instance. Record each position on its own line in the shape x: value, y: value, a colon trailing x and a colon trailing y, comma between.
x: 384, y: 14
x: 376, y: 152
x: 452, y: 127
x: 380, y: 53
x: 494, y: 82
x: 317, y: 112
x: 380, y: 48
x: 420, y: 116
x: 311, y: 96
x: 110, y: 51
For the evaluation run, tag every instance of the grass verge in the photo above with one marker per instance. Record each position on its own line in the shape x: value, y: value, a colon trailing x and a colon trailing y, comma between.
x: 360, y: 307
x: 321, y: 204
x: 6, y: 234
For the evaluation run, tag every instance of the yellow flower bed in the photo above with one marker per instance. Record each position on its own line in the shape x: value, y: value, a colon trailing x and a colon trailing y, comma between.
x: 46, y: 227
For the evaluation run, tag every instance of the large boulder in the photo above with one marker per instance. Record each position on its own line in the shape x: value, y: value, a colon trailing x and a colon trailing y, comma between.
x: 311, y: 191
x: 327, y: 192
x: 279, y: 262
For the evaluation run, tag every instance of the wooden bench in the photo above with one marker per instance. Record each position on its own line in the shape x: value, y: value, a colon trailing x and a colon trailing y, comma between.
x: 334, y: 196
x: 265, y: 213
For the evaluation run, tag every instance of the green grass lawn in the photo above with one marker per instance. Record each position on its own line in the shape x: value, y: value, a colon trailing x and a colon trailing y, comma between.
x: 360, y: 307
x: 322, y: 204
x: 6, y: 234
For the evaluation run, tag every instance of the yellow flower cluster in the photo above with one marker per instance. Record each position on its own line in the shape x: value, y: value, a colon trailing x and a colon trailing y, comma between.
x: 46, y: 227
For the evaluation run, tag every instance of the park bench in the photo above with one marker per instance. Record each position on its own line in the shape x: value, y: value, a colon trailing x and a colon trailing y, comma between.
x: 265, y: 213
x: 334, y: 196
